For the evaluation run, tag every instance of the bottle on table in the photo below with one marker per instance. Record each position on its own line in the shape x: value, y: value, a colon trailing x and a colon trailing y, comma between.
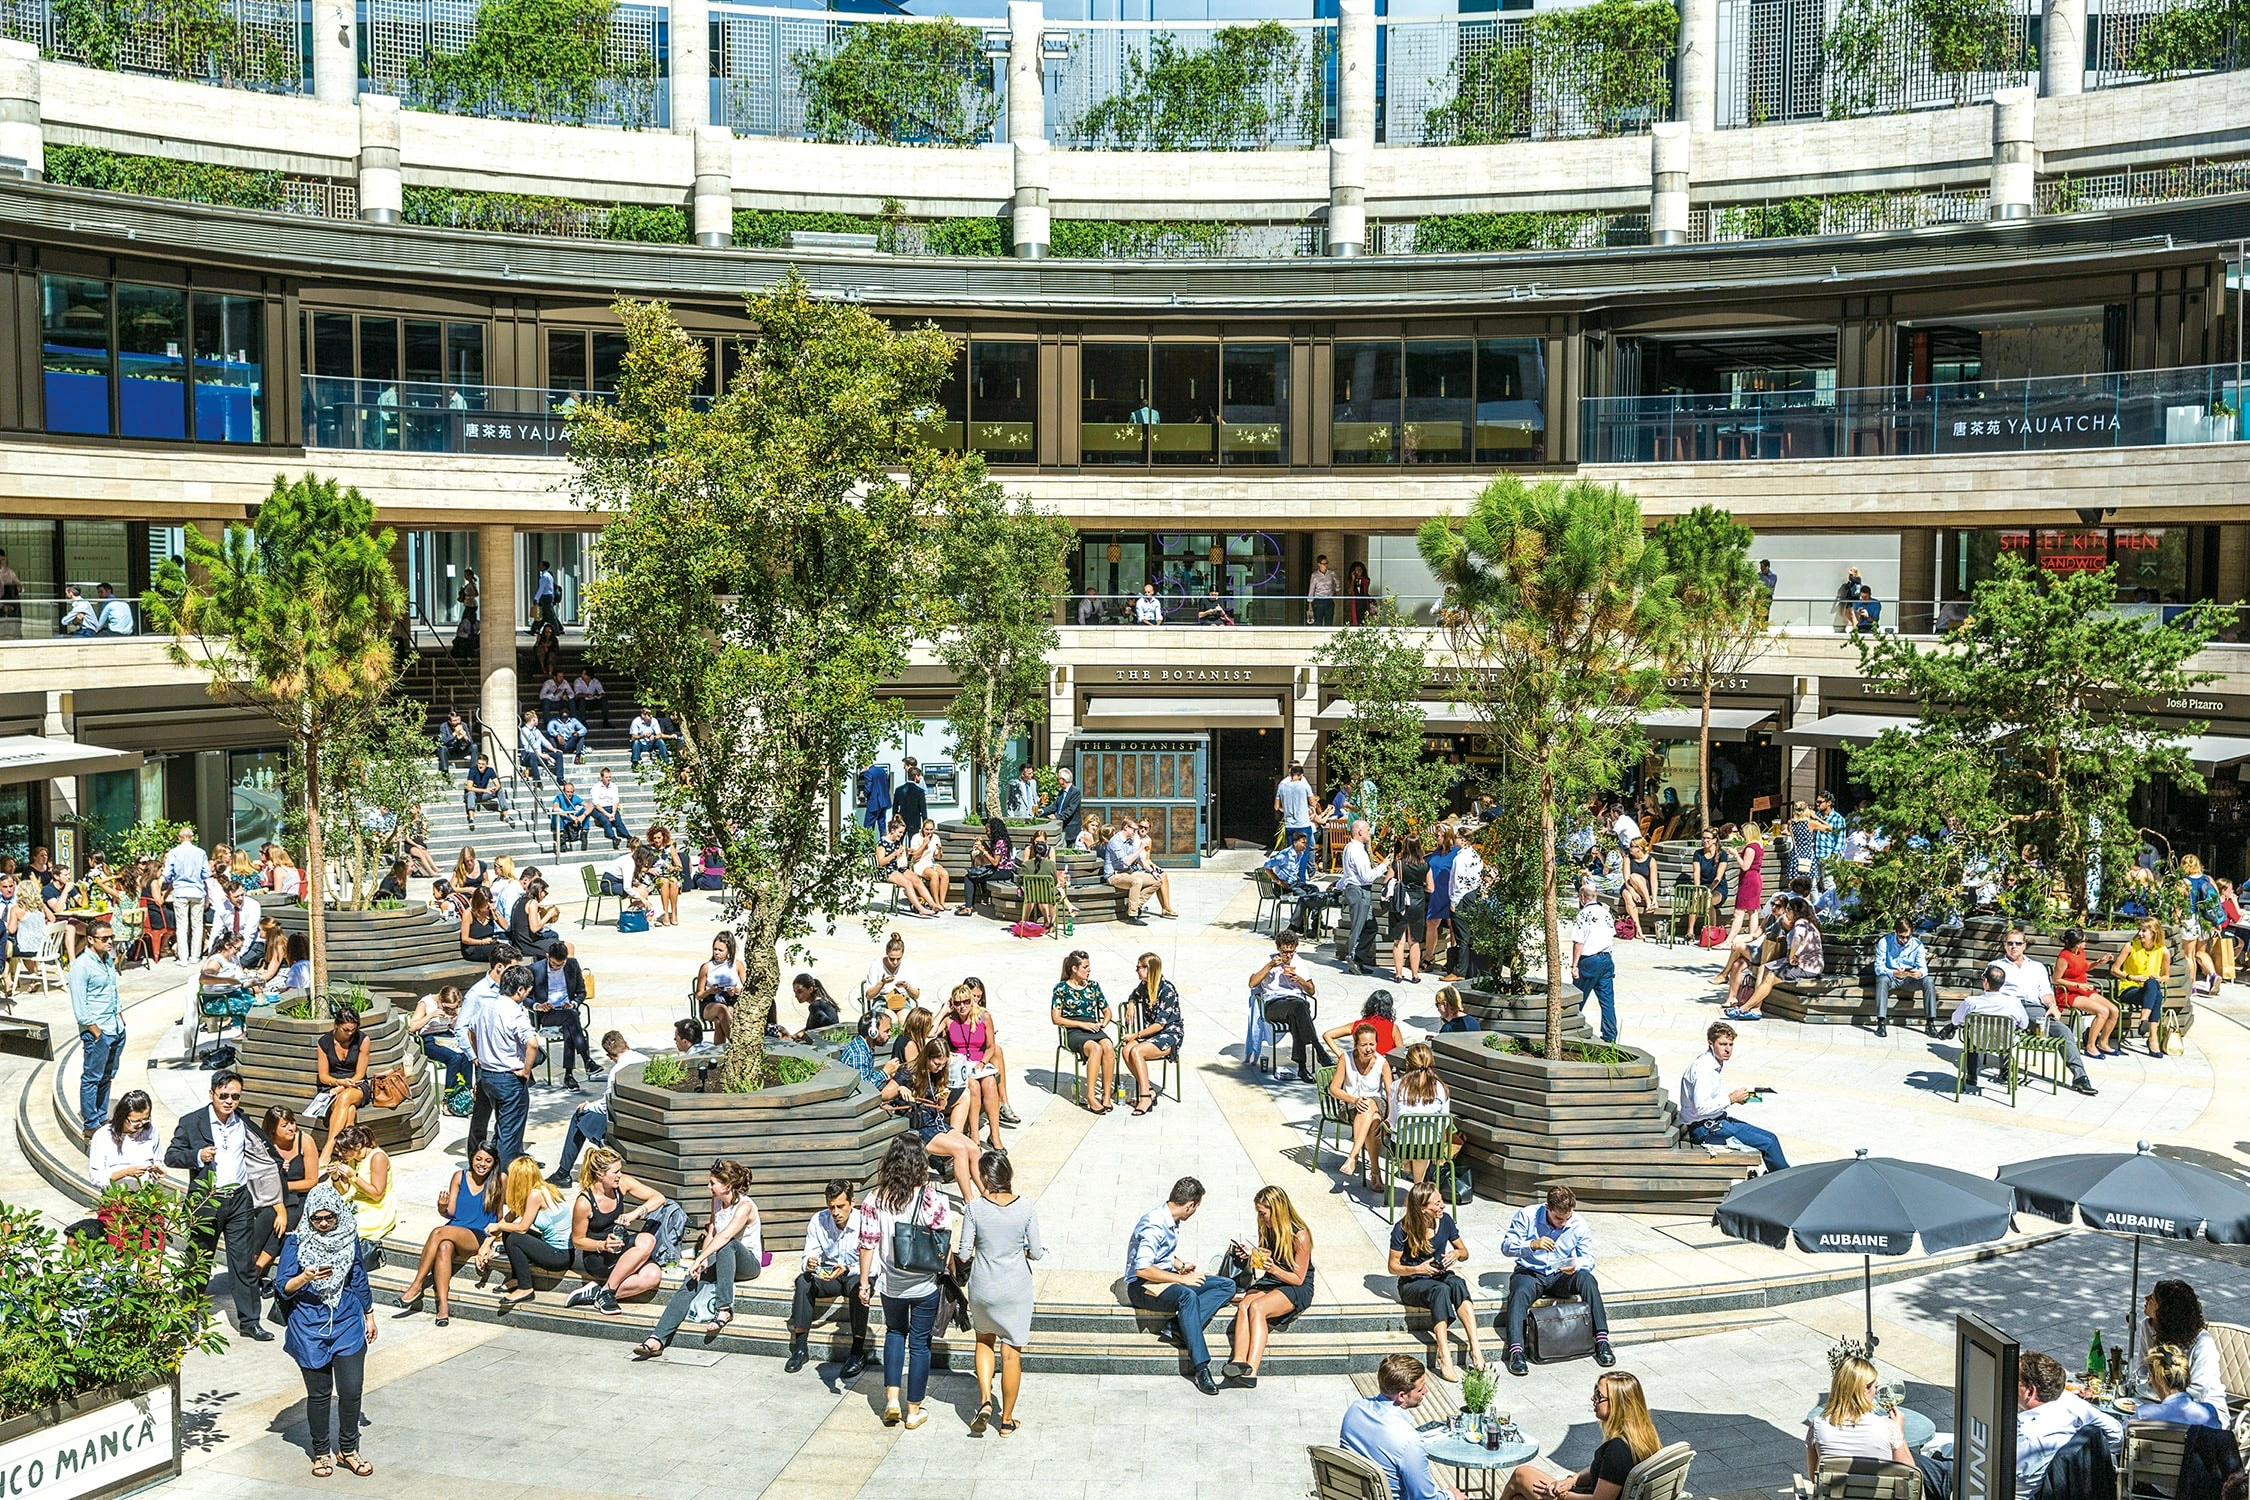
x: 2096, y: 1366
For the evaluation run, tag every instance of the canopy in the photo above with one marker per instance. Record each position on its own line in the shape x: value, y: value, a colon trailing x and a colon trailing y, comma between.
x: 1684, y: 723
x: 1440, y: 716
x: 1183, y: 715
x: 33, y: 757
x: 1846, y: 729
x: 2208, y: 752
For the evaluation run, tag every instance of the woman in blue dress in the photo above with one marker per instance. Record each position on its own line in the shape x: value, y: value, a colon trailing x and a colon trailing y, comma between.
x: 323, y: 1289
x: 1440, y: 914
x: 1153, y: 1029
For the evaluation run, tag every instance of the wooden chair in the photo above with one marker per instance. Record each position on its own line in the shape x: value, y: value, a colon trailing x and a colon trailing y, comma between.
x: 2234, y: 1362
x: 1419, y: 1138
x: 1987, y: 1036
x: 1861, y: 1479
x: 1338, y: 1475
x: 1660, y: 1476
x: 2154, y: 1453
x: 595, y: 896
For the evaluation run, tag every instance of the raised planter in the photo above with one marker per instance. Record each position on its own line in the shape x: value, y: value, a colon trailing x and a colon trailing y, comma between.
x: 958, y: 840
x: 399, y: 954
x: 1525, y: 1014
x: 794, y: 1139
x: 1607, y: 1131
x: 276, y: 1061
x: 106, y: 1442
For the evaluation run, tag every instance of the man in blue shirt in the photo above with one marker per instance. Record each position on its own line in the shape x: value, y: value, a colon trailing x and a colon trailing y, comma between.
x: 568, y: 815
x: 1828, y: 827
x: 567, y: 734
x: 1293, y: 867
x: 115, y: 616
x: 1379, y: 1429
x: 185, y: 869
x: 482, y: 788
x: 1554, y: 1253
x: 1157, y: 1278
x: 534, y: 751
x: 1900, y: 962
x: 101, y: 1023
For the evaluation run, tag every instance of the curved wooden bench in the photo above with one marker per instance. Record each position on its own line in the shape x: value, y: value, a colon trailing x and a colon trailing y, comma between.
x: 399, y: 954
x: 276, y: 1061
x: 1093, y: 903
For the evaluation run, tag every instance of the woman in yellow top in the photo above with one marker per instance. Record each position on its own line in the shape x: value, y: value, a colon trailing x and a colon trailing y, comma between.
x: 362, y: 1172
x: 2141, y: 969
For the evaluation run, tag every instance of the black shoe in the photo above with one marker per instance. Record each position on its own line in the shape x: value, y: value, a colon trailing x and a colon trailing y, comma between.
x: 1603, y: 1355
x: 1945, y: 1033
x: 1134, y: 921
x: 255, y: 1334
x: 1882, y: 1026
x: 855, y: 1364
x: 2084, y: 1086
x: 1516, y: 1364
x: 795, y: 1361
x: 1203, y: 1380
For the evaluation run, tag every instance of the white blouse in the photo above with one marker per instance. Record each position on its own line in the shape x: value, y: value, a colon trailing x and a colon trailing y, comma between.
x: 104, y: 1156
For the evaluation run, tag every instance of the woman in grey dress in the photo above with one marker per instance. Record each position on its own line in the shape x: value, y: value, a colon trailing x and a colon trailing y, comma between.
x: 998, y: 1238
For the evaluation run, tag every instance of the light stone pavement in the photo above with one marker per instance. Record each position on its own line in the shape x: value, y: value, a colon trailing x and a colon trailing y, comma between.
x: 506, y: 1410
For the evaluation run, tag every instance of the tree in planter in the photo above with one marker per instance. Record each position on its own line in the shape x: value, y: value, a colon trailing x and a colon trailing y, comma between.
x: 151, y: 838
x: 1380, y: 669
x: 1005, y: 564
x: 376, y: 775
x: 767, y: 560
x: 1250, y: 88
x: 1721, y: 618
x: 898, y: 83
x: 1554, y: 606
x: 290, y: 615
x: 2036, y: 724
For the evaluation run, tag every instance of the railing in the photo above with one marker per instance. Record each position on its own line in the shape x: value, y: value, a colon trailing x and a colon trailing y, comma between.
x: 1193, y: 85
x: 761, y: 60
x: 39, y: 617
x: 1183, y: 603
x: 2127, y: 189
x: 402, y: 41
x: 2181, y: 41
x: 1474, y: 81
x: 413, y: 416
x: 1785, y: 60
x: 2142, y: 408
x: 254, y: 44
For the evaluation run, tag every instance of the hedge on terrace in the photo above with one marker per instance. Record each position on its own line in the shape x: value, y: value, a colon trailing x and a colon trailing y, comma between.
x: 163, y: 177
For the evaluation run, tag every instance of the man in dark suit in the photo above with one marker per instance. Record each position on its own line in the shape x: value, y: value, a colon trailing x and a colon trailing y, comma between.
x: 1069, y: 807
x: 912, y: 799
x: 218, y: 1149
x: 558, y: 989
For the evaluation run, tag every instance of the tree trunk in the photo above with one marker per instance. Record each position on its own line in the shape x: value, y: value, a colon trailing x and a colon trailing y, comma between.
x: 1703, y: 760
x: 315, y: 884
x: 744, y: 1066
x: 1551, y: 915
x: 989, y: 772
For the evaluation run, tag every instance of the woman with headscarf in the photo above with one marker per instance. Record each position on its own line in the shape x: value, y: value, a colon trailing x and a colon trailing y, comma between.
x: 323, y: 1291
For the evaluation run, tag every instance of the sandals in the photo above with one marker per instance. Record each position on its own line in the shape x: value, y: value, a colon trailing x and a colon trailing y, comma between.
x: 649, y: 1348
x: 1144, y: 1106
x: 356, y: 1464
x: 981, y: 1420
x: 719, y: 1321
x: 1008, y: 1426
x: 323, y: 1466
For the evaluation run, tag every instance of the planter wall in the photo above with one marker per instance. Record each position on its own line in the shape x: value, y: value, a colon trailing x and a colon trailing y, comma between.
x: 276, y: 1061
x: 958, y: 840
x: 400, y: 954
x: 1607, y: 1132
x: 794, y: 1139
x: 106, y: 1442
x: 1526, y: 1014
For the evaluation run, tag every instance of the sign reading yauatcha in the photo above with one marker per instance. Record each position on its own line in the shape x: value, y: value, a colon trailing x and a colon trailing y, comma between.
x: 99, y: 1452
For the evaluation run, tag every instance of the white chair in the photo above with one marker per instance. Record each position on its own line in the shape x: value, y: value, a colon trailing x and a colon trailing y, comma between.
x: 1660, y: 1476
x: 47, y: 960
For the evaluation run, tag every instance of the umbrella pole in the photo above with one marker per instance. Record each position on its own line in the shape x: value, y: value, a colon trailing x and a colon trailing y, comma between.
x: 2133, y: 1313
x: 1867, y: 1288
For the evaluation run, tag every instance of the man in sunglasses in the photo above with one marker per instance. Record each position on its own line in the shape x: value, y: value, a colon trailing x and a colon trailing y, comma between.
x: 2018, y: 987
x: 217, y: 1148
x: 101, y: 1023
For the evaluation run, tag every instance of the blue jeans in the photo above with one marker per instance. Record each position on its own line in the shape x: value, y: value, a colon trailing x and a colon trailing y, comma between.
x: 1726, y: 1128
x: 906, y: 1343
x: 589, y: 1126
x: 656, y: 748
x: 457, y: 1063
x: 1597, y: 978
x: 611, y: 824
x: 2149, y: 996
x: 568, y: 744
x: 97, y: 1070
x: 508, y: 1096
x: 1191, y: 1307
x: 563, y: 827
x: 495, y: 800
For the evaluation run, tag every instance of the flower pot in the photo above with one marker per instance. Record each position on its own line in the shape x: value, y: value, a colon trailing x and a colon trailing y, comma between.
x: 102, y: 1442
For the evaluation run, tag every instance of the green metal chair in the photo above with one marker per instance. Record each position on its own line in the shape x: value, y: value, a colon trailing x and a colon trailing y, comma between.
x: 1129, y: 1019
x: 1271, y: 893
x: 1419, y: 1138
x: 1063, y: 1049
x: 1332, y: 1113
x: 1039, y: 888
x: 1689, y: 911
x: 595, y: 895
x: 1989, y: 1036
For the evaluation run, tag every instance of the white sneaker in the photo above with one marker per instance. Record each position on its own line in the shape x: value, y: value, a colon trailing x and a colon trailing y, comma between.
x: 584, y: 1296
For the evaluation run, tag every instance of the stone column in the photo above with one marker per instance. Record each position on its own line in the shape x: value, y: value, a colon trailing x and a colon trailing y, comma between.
x: 1668, y: 183
x: 382, y: 193
x: 20, y: 138
x: 1804, y: 760
x: 335, y: 51
x: 691, y: 65
x: 714, y: 186
x: 2015, y: 154
x: 2062, y: 48
x: 1697, y: 106
x: 1347, y: 197
x: 1027, y: 71
x: 496, y: 650
x: 1032, y: 220
x: 1062, y: 717
x: 1328, y: 544
x: 1355, y: 71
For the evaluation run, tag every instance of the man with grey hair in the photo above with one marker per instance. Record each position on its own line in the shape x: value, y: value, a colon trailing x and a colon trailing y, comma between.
x: 1357, y: 886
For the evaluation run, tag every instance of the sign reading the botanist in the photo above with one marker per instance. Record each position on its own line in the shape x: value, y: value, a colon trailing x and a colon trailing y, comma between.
x: 104, y: 1444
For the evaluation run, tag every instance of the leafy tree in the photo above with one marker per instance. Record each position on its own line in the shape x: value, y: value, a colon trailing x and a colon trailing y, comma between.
x: 1863, y: 67
x: 1250, y: 88
x: 198, y: 39
x: 2036, y: 729
x: 291, y: 615
x: 1554, y: 605
x: 1004, y: 566
x: 1721, y: 619
x: 1380, y: 668
x: 376, y: 775
x: 2192, y: 37
x: 767, y: 560
x: 899, y: 83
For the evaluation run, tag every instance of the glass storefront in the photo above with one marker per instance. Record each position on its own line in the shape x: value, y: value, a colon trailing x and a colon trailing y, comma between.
x: 437, y: 564
x: 16, y: 804
x: 254, y: 796
x: 151, y: 361
x: 990, y: 403
x: 571, y: 554
x: 2154, y: 564
x: 1184, y: 403
x: 1439, y: 401
x: 1249, y: 569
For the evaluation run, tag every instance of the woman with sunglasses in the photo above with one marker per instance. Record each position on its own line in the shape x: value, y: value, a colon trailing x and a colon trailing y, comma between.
x: 1628, y: 1437
x: 323, y: 1288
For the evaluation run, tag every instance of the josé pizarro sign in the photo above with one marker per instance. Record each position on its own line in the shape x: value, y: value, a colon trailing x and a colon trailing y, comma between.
x: 108, y: 1444
x: 1984, y: 1406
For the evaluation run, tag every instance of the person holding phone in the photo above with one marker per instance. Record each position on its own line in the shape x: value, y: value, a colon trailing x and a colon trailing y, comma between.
x: 973, y: 1040
x: 331, y: 1315
x: 1426, y: 1246
x: 1283, y: 994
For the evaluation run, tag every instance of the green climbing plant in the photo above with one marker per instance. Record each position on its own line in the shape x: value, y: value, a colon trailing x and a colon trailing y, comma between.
x: 1863, y: 69
x: 1136, y: 239
x: 2193, y: 36
x: 1459, y: 234
x: 1600, y: 69
x: 1251, y: 88
x: 199, y: 39
x: 531, y: 213
x: 162, y: 177
x: 1965, y: 36
x: 547, y: 60
x: 919, y: 83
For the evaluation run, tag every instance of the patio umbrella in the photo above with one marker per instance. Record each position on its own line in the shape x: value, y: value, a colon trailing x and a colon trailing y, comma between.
x: 1867, y: 1206
x: 2136, y: 1194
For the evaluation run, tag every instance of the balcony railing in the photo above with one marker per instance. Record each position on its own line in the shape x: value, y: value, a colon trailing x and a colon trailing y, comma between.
x: 418, y: 416
x: 2140, y: 408
x: 40, y: 616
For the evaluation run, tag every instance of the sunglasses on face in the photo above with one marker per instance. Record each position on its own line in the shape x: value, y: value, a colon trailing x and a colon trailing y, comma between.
x: 228, y: 1098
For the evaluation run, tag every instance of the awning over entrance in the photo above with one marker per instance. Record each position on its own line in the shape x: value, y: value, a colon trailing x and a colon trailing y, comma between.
x: 1846, y: 729
x: 1439, y: 718
x: 2208, y: 752
x: 33, y: 757
x: 1182, y: 715
x: 1684, y: 723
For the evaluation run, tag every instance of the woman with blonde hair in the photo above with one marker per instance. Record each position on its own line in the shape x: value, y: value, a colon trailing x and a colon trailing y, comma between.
x: 2141, y: 967
x: 468, y: 870
x: 1628, y: 1437
x: 1749, y: 882
x: 2167, y: 1367
x: 1425, y: 1247
x: 923, y: 847
x: 1282, y: 1261
x: 1153, y: 1029
x: 1850, y: 1425
x: 2206, y: 914
x: 533, y: 1229
x: 1416, y: 1091
x: 616, y: 1248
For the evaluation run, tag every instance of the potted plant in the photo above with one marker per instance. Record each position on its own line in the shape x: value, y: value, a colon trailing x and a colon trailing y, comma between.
x: 93, y: 1328
x: 1478, y: 1387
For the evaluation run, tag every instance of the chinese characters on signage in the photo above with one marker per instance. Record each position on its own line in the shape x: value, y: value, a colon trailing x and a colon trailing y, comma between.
x: 512, y: 432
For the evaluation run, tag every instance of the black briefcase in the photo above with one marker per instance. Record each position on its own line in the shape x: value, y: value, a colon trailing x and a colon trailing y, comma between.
x: 1558, y: 1331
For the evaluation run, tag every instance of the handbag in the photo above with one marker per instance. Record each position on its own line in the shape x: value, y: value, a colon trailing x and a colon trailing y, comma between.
x: 1713, y: 937
x: 1559, y: 1331
x: 632, y: 921
x: 917, y: 1247
x: 389, y: 1090
x: 1626, y: 931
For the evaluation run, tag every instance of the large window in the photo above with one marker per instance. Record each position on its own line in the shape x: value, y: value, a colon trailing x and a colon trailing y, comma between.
x: 230, y: 362
x: 585, y: 359
x: 1184, y: 403
x: 75, y: 351
x: 377, y: 381
x: 990, y: 403
x: 1439, y: 401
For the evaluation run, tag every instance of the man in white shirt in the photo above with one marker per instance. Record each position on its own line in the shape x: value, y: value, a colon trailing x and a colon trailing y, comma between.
x: 214, y: 1146
x: 587, y: 689
x: 589, y: 1123
x: 2048, y: 1416
x: 2018, y: 988
x: 1625, y: 828
x: 1705, y: 1101
x: 601, y: 798
x: 1148, y: 609
x: 243, y: 919
x: 1121, y: 867
x: 1356, y: 884
x: 504, y: 1043
x: 1283, y: 995
x: 1380, y: 1429
x: 534, y: 751
x: 185, y: 871
x: 545, y: 595
x: 1022, y: 799
x: 830, y: 1270
x: 1592, y: 966
x: 648, y: 738
x: 115, y: 617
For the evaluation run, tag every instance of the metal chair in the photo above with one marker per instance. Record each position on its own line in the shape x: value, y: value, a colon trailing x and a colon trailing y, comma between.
x: 1332, y: 1112
x: 1861, y: 1479
x: 1660, y: 1476
x: 1688, y: 912
x: 1039, y: 888
x: 1269, y: 1054
x: 1987, y: 1036
x: 2154, y: 1453
x: 1063, y: 1049
x: 1341, y: 1475
x: 595, y: 896
x: 1132, y: 1017
x: 550, y: 1041
x: 1270, y: 892
x: 1419, y: 1138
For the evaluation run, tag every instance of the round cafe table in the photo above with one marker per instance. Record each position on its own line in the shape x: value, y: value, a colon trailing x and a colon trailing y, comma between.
x: 1486, y: 1464
x: 1919, y: 1429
